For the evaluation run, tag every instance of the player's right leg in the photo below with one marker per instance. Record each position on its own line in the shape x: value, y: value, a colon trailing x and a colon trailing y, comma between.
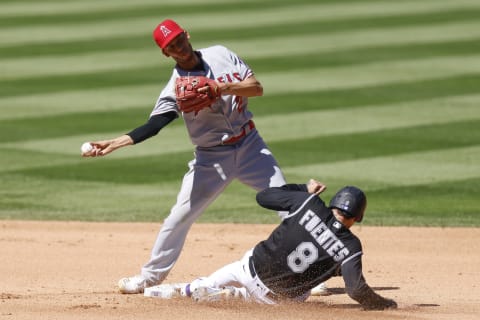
x: 223, y: 284
x: 201, y: 186
x: 211, y: 294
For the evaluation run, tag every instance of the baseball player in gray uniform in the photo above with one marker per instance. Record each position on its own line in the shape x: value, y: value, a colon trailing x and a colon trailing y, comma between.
x: 227, y: 144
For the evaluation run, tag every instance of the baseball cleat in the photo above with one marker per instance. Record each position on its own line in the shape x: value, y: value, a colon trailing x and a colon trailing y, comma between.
x: 320, y: 290
x: 132, y: 285
x: 206, y: 294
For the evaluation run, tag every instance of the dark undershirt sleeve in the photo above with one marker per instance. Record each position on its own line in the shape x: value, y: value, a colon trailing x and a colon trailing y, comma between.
x: 152, y: 126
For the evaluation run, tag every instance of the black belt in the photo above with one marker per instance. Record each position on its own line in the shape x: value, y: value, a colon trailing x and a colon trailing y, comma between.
x: 251, y: 267
x: 253, y: 273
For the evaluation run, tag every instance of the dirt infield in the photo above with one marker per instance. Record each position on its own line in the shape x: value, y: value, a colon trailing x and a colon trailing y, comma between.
x: 69, y: 270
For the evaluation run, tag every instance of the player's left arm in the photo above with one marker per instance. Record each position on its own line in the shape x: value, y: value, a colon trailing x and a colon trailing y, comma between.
x: 250, y: 87
x: 358, y: 289
x: 289, y: 196
x: 283, y: 198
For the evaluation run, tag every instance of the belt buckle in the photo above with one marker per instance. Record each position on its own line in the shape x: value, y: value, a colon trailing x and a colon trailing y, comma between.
x: 253, y: 273
x: 246, y: 129
x: 234, y: 139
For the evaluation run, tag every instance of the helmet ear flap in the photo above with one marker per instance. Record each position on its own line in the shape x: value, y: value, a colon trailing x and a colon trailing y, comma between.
x: 359, y: 217
x: 351, y: 201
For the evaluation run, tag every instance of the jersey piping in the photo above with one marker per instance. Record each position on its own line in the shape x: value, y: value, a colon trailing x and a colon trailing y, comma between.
x: 352, y: 256
x: 301, y: 207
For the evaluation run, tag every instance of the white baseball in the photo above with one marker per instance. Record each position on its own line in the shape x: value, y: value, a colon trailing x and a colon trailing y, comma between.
x: 86, y: 148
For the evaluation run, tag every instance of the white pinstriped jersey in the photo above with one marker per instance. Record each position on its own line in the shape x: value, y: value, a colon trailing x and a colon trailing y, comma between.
x: 226, y: 117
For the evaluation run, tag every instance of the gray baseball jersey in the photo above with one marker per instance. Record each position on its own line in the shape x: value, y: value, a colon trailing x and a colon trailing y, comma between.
x: 228, y: 147
x: 226, y: 117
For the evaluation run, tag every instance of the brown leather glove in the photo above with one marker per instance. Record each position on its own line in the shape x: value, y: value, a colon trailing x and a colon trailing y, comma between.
x: 194, y: 93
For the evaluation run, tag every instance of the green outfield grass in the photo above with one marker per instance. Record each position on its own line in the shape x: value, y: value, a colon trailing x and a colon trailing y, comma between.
x: 381, y: 94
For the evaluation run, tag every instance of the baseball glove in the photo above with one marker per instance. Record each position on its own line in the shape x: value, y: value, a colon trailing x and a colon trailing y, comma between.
x: 195, y: 93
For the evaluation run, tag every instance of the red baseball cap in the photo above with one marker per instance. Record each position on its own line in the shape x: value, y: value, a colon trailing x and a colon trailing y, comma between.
x: 166, y: 32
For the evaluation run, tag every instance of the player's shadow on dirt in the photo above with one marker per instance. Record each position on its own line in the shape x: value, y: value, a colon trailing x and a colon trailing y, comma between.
x: 426, y: 305
x: 342, y: 290
x: 332, y: 291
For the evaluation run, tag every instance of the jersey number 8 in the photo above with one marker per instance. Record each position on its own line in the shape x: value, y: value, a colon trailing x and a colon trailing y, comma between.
x: 302, y: 257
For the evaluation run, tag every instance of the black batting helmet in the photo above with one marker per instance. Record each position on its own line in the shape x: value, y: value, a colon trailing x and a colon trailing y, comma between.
x: 352, y: 201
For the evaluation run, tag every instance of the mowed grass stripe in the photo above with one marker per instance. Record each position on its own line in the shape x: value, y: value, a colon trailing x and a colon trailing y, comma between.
x: 36, y: 198
x: 375, y: 95
x: 323, y: 78
x: 58, y: 134
x: 173, y: 139
x: 227, y: 19
x: 369, y: 74
x: 33, y: 9
x: 147, y: 64
x: 420, y: 204
x: 428, y: 15
x: 404, y: 205
x: 127, y: 104
x: 325, y: 26
x: 273, y: 44
x: 250, y: 32
x: 106, y: 102
x: 269, y: 48
x: 410, y: 169
x: 414, y: 168
x: 106, y: 10
x: 369, y: 118
x: 151, y: 60
x: 365, y: 55
x: 313, y: 150
x: 390, y: 141
x: 14, y: 158
x: 353, y: 40
x: 161, y: 69
x: 74, y: 12
x: 167, y: 168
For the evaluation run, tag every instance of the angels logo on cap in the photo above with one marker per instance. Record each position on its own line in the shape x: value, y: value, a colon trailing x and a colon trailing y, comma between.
x: 166, y: 32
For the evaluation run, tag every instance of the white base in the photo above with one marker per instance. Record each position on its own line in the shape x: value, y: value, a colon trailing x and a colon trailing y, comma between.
x: 164, y: 291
